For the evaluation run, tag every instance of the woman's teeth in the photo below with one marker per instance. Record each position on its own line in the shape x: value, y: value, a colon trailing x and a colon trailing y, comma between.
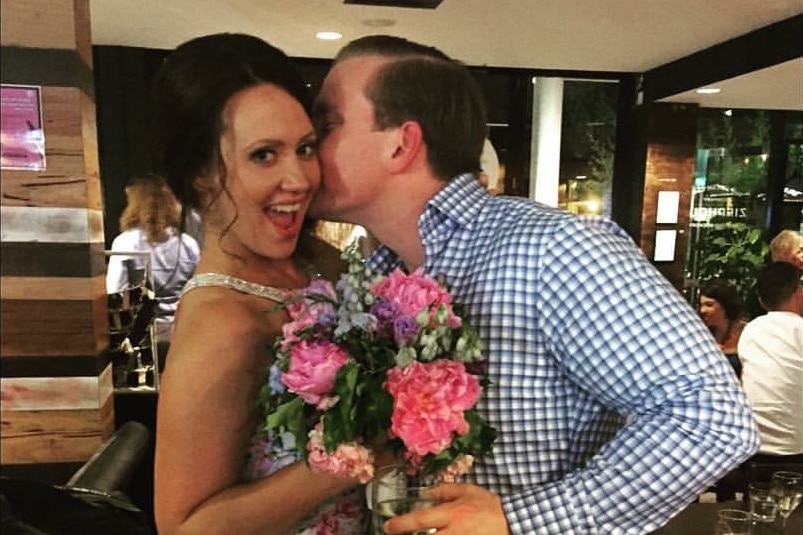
x: 286, y: 208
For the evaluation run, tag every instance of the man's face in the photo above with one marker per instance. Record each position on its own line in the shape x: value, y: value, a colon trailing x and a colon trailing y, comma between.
x: 352, y: 152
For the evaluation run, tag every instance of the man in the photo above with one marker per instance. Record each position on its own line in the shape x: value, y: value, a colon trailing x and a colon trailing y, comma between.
x: 787, y: 246
x: 771, y: 349
x: 580, y: 331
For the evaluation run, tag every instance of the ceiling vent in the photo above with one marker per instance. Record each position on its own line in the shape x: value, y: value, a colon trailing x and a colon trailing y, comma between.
x: 414, y: 4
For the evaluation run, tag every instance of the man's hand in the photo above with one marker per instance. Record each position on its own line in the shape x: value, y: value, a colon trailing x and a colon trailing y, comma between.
x: 465, y: 510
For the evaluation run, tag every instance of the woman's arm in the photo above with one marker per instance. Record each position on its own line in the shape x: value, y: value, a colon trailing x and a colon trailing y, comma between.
x: 205, y: 423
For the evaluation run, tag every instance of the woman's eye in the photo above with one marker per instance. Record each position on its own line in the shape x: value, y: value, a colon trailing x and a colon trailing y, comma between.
x: 307, y: 150
x: 264, y: 155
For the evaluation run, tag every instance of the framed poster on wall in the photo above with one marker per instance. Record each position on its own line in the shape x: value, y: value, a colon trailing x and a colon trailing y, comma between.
x: 665, y: 245
x: 22, y: 133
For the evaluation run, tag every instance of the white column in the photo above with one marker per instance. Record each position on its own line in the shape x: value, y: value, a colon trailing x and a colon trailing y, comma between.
x: 545, y: 149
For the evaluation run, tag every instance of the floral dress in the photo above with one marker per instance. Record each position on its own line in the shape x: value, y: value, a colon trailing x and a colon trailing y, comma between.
x: 344, y: 514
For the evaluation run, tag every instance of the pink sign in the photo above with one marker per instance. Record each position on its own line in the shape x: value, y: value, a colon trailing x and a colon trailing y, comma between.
x: 22, y: 136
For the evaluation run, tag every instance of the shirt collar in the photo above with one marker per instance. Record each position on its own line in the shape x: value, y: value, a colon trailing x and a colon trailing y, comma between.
x: 454, y: 207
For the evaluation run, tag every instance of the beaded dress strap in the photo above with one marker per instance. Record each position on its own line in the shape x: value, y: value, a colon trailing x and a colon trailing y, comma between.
x: 218, y: 279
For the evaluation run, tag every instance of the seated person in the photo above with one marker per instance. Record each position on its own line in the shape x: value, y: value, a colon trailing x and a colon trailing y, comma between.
x: 149, y: 223
x: 771, y: 349
x: 721, y: 310
x: 787, y: 246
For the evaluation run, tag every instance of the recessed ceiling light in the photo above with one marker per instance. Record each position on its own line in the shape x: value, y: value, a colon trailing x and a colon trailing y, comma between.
x: 329, y: 36
x: 708, y: 90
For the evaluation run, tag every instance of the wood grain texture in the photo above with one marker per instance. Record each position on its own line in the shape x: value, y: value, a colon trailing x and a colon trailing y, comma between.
x: 56, y: 393
x: 54, y: 435
x: 43, y: 259
x: 40, y: 23
x: 52, y: 328
x: 52, y: 288
x: 50, y: 224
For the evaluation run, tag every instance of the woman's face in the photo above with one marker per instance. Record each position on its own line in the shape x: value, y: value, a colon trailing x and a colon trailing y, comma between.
x: 711, y: 311
x: 268, y: 151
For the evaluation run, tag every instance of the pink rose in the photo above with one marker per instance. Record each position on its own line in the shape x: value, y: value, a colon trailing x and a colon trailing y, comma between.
x: 429, y: 400
x: 415, y: 293
x: 313, y: 367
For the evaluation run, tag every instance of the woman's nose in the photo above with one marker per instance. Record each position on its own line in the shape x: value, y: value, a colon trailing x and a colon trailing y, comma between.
x: 297, y: 176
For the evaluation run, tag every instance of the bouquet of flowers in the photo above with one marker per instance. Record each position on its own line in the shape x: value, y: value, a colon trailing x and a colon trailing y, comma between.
x: 378, y: 362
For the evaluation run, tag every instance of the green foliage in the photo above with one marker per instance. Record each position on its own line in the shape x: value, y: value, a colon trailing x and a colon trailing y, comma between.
x: 732, y: 251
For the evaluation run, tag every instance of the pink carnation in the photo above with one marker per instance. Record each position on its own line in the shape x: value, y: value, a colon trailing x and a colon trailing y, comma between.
x: 416, y: 293
x: 429, y: 401
x: 460, y: 466
x: 313, y: 367
x: 350, y: 460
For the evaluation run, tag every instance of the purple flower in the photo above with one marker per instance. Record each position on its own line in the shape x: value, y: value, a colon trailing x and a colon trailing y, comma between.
x: 385, y: 311
x: 405, y: 329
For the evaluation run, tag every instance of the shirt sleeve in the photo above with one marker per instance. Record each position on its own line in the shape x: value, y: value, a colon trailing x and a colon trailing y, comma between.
x: 116, y: 271
x: 621, y: 333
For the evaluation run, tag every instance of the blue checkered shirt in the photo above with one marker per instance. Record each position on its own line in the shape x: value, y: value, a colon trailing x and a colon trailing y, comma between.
x: 613, y: 405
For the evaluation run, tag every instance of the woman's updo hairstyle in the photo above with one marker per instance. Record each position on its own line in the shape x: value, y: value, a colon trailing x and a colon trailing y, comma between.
x: 191, y: 92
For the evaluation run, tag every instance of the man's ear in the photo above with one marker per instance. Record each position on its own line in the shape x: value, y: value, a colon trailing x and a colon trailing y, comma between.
x: 408, y: 145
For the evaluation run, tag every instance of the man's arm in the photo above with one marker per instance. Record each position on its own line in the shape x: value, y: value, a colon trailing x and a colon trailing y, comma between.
x: 622, y: 333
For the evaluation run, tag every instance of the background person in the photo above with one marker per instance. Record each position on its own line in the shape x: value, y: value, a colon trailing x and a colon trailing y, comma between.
x: 721, y: 309
x: 237, y: 146
x: 149, y: 224
x: 787, y: 246
x: 771, y: 349
x: 580, y: 330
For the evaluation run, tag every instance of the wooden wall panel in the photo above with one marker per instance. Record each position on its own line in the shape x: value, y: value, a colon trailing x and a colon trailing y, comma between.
x: 39, y: 23
x: 61, y: 435
x: 55, y: 379
x: 43, y: 328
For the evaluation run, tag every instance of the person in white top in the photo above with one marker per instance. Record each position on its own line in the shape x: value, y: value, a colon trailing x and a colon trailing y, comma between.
x: 149, y: 225
x: 771, y: 349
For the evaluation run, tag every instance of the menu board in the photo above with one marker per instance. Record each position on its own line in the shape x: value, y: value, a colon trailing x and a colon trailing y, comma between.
x: 22, y: 135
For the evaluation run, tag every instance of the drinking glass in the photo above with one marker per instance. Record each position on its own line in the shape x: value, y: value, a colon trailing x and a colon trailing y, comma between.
x: 733, y: 522
x: 394, y: 493
x: 762, y: 503
x: 787, y: 487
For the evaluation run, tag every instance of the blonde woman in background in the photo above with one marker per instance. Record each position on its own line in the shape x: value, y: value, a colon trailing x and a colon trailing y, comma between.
x: 149, y: 223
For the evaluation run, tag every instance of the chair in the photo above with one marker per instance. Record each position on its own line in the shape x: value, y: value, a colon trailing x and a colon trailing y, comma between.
x: 93, y: 501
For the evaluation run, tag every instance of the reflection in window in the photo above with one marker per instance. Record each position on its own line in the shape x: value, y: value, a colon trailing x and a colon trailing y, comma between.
x: 588, y: 133
x: 729, y: 213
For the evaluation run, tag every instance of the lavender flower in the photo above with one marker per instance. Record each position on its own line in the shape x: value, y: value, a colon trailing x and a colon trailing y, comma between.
x: 405, y: 330
x: 385, y: 311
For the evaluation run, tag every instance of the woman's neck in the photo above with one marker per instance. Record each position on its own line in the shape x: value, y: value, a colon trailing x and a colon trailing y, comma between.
x: 277, y: 272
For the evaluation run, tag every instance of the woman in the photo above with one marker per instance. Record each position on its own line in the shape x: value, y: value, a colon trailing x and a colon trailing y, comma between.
x: 238, y: 146
x: 149, y: 224
x: 721, y: 310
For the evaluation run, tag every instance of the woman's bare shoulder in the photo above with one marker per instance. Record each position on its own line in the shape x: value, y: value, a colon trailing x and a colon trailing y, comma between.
x: 210, y: 323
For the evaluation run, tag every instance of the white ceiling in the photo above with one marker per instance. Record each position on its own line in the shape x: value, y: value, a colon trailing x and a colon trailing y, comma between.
x: 586, y: 35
